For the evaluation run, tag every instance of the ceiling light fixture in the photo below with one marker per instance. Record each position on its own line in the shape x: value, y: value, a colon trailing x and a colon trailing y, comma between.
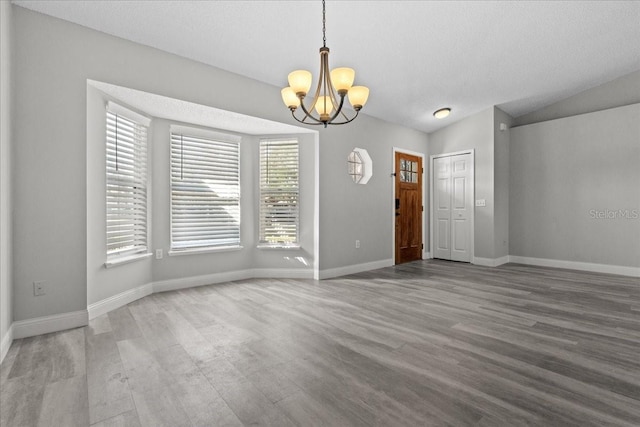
x: 328, y: 105
x: 442, y: 113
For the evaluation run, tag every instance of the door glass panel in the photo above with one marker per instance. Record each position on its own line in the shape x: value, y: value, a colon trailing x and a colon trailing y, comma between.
x: 408, y: 171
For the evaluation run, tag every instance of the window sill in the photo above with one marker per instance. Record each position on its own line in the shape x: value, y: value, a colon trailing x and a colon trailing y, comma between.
x: 280, y: 247
x: 196, y: 251
x: 126, y: 259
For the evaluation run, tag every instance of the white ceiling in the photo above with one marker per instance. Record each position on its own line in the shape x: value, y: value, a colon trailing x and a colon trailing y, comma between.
x: 416, y: 56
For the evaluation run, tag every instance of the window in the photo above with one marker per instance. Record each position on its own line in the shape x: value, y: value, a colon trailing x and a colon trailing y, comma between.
x: 126, y: 182
x: 408, y: 171
x: 205, y: 190
x: 279, y: 192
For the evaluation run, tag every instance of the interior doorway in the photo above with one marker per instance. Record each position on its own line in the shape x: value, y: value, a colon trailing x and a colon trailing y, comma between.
x: 452, y: 210
x: 408, y: 208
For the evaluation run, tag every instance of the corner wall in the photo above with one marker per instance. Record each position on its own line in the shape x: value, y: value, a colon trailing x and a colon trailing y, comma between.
x: 350, y: 211
x: 474, y: 132
x: 574, y: 190
x: 6, y: 294
x: 501, y: 184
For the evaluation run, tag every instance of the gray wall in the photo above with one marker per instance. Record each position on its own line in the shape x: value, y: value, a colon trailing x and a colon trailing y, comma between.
x: 563, y: 170
x: 6, y: 314
x: 52, y: 66
x: 474, y: 132
x: 350, y: 211
x: 624, y: 90
x: 501, y: 182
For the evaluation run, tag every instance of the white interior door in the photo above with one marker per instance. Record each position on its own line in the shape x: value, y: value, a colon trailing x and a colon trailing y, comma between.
x: 442, y: 208
x: 453, y: 207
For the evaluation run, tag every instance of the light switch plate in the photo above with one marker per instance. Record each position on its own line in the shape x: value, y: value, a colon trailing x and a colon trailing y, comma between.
x: 481, y: 202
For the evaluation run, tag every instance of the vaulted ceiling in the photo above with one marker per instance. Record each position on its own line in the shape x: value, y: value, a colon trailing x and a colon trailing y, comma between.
x: 416, y: 56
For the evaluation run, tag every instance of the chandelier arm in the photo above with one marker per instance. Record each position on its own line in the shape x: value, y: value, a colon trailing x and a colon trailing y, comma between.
x: 347, y: 117
x: 338, y: 110
x: 348, y: 120
x: 315, y: 97
x: 332, y: 94
x: 307, y: 113
x: 293, y: 114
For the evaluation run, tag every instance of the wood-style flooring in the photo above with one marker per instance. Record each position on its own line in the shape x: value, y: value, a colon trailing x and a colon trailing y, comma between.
x: 430, y: 343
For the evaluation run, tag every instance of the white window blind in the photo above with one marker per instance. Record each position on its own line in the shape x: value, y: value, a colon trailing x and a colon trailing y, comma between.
x: 126, y: 186
x: 205, y: 192
x: 279, y: 192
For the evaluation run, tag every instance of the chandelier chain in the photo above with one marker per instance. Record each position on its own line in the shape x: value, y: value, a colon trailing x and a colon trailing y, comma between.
x: 324, y: 24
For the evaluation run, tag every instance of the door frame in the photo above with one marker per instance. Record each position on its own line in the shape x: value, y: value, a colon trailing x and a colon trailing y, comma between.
x: 473, y: 205
x: 393, y: 199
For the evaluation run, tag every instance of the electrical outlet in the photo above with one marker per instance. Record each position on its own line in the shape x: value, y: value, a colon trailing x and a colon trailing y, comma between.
x: 357, y: 244
x: 38, y: 289
x: 158, y: 253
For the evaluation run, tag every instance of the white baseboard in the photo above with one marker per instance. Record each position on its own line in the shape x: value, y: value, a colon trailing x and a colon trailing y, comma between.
x: 5, y: 343
x: 282, y: 273
x: 485, y: 262
x: 206, y: 279
x: 60, y: 322
x: 490, y: 262
x: 575, y: 265
x: 116, y: 301
x: 120, y: 300
x: 426, y: 255
x: 352, y: 269
x: 48, y: 324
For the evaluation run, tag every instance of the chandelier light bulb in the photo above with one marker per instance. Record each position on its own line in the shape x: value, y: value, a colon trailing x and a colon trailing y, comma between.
x: 300, y: 81
x: 324, y: 106
x: 342, y: 78
x: 358, y: 96
x: 289, y: 98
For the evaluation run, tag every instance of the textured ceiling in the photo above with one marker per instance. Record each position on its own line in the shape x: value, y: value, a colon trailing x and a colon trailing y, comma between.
x: 415, y: 56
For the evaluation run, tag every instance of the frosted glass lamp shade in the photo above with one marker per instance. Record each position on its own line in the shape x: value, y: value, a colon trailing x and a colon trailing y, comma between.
x: 300, y: 81
x: 289, y: 98
x: 324, y: 105
x: 358, y: 96
x: 342, y: 78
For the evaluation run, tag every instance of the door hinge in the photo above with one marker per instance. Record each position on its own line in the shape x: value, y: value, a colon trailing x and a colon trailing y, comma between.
x: 422, y: 208
x: 422, y: 246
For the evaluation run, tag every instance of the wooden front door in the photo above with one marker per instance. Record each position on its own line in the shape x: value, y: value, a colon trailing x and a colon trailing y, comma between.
x: 408, y: 181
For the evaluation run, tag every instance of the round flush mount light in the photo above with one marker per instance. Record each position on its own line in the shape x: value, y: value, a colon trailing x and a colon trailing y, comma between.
x: 442, y: 113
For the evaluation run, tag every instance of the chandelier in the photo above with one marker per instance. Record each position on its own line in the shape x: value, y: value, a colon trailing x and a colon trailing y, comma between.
x: 326, y: 102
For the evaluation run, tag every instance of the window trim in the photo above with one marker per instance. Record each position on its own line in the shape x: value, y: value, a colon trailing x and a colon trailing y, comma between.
x: 127, y: 259
x: 141, y: 252
x: 278, y: 245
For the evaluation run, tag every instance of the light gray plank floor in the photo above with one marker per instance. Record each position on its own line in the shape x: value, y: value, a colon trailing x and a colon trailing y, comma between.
x: 428, y: 343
